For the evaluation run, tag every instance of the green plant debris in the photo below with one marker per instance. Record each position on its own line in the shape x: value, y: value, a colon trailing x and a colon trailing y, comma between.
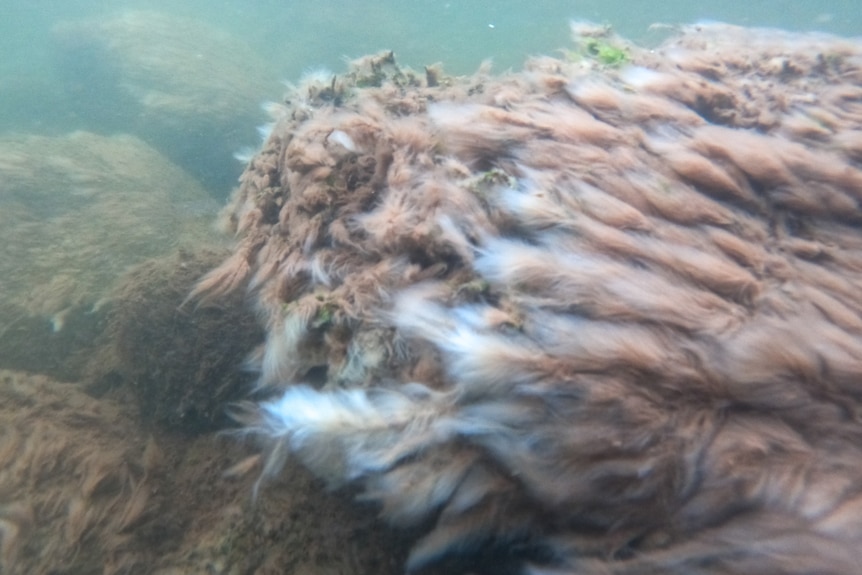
x: 324, y: 315
x: 599, y: 44
x: 605, y: 52
x: 491, y: 179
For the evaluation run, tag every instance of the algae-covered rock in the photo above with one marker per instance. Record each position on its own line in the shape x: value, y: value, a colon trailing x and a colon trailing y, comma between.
x: 586, y: 318
x: 75, y: 212
x: 190, y: 90
x: 182, y: 363
x: 86, y: 487
x: 78, y: 483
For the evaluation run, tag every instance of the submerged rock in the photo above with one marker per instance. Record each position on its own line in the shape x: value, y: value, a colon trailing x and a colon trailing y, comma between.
x: 86, y: 487
x: 78, y: 482
x: 190, y: 90
x: 582, y: 318
x: 75, y: 212
x: 181, y: 362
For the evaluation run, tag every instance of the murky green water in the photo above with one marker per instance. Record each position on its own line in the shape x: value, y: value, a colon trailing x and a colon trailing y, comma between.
x: 295, y: 36
x: 118, y: 120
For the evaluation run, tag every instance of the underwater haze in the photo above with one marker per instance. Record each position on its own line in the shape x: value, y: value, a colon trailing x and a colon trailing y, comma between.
x: 292, y: 37
x: 289, y: 39
x: 558, y: 286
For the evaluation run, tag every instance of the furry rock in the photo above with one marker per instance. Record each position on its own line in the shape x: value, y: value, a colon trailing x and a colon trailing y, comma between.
x: 576, y: 319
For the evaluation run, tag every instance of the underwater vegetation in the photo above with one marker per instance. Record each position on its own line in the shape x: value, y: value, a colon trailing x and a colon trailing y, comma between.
x: 598, y: 316
x: 182, y: 360
x: 575, y: 319
x: 597, y: 43
x: 605, y: 53
x: 107, y: 460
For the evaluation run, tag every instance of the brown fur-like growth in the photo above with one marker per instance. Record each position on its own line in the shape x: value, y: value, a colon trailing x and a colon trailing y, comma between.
x: 611, y: 320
